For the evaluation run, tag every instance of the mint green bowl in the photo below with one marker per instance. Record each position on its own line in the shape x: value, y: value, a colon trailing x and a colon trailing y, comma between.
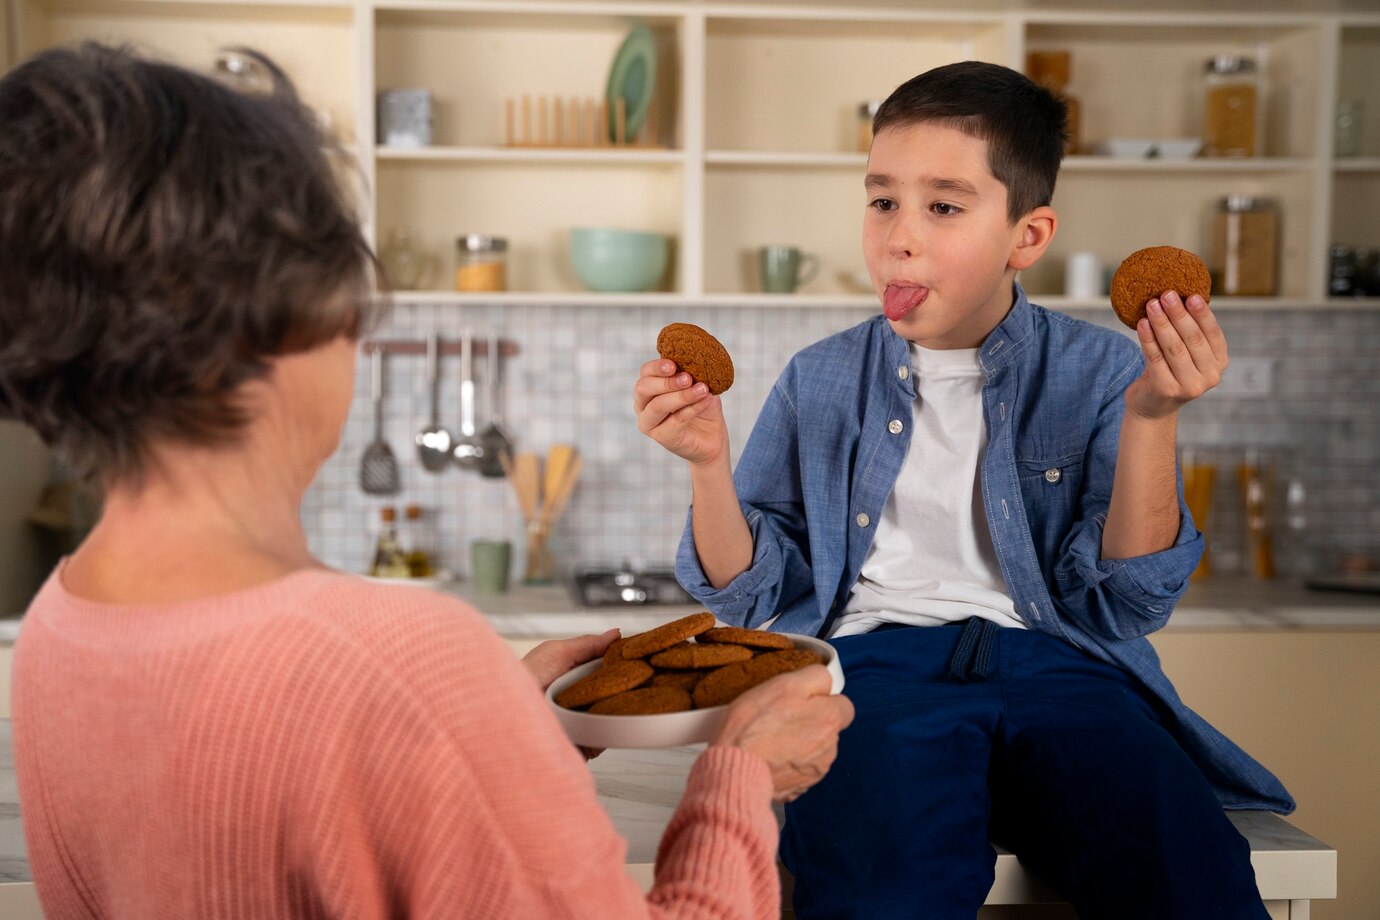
x: 613, y: 261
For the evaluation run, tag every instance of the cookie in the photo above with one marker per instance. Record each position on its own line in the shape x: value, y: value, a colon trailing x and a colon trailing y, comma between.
x: 699, y: 655
x: 685, y: 680
x: 615, y: 650
x: 697, y: 353
x: 1148, y: 273
x: 644, y: 701
x: 725, y: 684
x: 609, y: 680
x: 753, y: 638
x: 654, y: 640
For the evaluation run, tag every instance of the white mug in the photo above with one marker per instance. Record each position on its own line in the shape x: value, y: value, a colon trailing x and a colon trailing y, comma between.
x: 1083, y: 276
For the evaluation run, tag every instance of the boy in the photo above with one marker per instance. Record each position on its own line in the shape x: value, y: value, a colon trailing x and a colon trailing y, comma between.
x: 972, y: 460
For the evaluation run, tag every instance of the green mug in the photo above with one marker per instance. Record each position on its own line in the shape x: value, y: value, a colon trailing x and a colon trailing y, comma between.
x: 490, y: 561
x: 784, y: 268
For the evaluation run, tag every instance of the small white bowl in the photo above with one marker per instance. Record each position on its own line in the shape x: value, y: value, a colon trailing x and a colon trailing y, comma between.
x: 1177, y: 148
x: 1126, y: 148
x: 670, y: 729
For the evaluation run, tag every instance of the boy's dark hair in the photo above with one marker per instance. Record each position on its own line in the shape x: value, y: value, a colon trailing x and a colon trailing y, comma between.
x: 1023, y: 124
x: 162, y: 237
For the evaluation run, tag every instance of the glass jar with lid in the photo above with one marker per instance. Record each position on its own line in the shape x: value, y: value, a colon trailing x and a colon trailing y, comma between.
x: 1232, y: 114
x: 1245, y: 247
x: 481, y: 263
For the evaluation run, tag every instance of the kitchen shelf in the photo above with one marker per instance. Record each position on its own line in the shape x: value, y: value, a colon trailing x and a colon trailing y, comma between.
x: 757, y: 115
x: 545, y: 156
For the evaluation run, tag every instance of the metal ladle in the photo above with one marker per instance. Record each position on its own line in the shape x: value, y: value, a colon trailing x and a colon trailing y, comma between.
x: 468, y: 451
x: 434, y: 441
x: 498, y: 446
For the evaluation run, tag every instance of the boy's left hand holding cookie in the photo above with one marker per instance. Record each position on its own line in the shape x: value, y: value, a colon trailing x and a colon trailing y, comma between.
x: 1185, y: 355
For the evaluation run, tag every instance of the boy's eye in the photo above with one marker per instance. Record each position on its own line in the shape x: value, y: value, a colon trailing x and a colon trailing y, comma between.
x: 944, y: 209
x: 882, y: 204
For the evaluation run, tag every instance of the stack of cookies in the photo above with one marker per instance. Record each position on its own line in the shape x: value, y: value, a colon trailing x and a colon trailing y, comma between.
x: 686, y: 664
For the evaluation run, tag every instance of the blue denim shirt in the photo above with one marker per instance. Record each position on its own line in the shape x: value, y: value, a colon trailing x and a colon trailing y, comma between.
x: 823, y: 459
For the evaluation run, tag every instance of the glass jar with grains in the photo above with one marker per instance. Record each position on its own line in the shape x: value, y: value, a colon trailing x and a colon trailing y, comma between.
x: 1231, y: 123
x: 481, y: 263
x: 1245, y: 247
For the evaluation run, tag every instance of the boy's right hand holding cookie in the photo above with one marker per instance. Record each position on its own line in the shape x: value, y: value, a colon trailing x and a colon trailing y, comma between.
x: 793, y: 723
x: 680, y: 414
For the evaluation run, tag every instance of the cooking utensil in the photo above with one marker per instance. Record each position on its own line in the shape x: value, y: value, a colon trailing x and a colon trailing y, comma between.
x: 495, y: 439
x: 378, y: 469
x: 524, y: 472
x: 468, y: 451
x: 562, y: 471
x: 434, y: 441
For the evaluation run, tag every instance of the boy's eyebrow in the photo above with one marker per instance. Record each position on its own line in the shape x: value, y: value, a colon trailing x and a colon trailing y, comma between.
x: 939, y: 184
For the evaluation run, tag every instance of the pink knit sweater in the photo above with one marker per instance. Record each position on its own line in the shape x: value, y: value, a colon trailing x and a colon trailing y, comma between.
x: 321, y: 746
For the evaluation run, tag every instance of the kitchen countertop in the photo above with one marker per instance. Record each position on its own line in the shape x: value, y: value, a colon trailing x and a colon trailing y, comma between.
x: 1223, y: 603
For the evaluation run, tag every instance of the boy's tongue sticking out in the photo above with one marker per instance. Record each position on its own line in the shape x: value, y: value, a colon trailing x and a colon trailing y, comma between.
x: 900, y: 299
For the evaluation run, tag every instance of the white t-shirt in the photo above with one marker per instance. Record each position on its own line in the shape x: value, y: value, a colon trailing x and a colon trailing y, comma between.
x: 932, y: 560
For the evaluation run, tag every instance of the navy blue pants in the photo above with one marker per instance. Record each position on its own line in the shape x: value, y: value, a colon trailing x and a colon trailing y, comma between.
x: 975, y: 733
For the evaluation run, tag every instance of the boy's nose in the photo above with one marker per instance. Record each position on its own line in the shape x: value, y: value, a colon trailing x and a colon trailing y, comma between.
x: 902, y: 240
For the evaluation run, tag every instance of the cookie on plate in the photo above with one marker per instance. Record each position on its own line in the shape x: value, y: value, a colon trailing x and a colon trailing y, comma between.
x: 1148, y: 273
x: 725, y: 684
x: 667, y: 635
x: 644, y: 701
x: 609, y: 680
x: 699, y: 655
x: 752, y: 638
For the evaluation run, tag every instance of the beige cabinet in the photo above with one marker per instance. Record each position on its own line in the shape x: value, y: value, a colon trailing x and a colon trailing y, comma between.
x: 757, y: 124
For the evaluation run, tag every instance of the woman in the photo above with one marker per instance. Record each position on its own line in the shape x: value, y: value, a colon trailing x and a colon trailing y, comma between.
x: 207, y: 721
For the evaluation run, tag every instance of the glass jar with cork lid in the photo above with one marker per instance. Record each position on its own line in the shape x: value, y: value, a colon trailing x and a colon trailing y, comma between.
x: 1245, y: 247
x: 481, y: 263
x: 1231, y: 126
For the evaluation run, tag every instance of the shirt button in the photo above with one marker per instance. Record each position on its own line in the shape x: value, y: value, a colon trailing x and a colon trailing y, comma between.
x: 1052, y: 475
x: 903, y: 372
x: 863, y: 520
x: 895, y: 426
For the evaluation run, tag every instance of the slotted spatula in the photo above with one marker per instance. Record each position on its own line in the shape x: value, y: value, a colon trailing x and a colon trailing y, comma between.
x: 378, y: 469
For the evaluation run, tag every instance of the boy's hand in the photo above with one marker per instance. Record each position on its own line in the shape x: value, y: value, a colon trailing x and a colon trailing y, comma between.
x: 1185, y: 355
x: 680, y: 414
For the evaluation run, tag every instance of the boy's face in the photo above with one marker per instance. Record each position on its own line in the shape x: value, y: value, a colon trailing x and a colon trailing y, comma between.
x: 940, y: 249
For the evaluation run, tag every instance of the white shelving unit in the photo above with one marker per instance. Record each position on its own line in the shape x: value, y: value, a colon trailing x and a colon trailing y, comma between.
x: 757, y: 111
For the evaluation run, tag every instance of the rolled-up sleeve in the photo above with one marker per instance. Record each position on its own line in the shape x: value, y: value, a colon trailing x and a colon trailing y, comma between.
x: 767, y: 479
x: 1119, y: 598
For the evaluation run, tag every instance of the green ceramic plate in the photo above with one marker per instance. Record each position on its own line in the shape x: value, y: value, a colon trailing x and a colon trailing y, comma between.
x: 632, y: 78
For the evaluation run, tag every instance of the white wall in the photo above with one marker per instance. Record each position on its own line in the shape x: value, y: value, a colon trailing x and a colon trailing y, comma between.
x: 24, y: 470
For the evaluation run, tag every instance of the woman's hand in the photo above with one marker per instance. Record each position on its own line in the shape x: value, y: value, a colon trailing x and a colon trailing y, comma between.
x: 1185, y: 355
x: 793, y: 723
x: 680, y: 414
x: 554, y: 657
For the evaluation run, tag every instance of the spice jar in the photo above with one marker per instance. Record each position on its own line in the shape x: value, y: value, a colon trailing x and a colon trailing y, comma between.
x: 1245, y: 246
x: 1233, y: 95
x: 481, y: 263
x: 866, y: 112
x: 1050, y: 69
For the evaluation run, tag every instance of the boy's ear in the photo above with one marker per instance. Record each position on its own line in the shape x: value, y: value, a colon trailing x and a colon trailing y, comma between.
x: 1037, y: 230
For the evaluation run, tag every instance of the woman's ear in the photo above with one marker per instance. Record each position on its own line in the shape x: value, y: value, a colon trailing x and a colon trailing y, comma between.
x: 1037, y: 231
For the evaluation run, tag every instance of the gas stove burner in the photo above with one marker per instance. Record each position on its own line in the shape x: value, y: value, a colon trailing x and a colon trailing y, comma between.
x: 613, y: 586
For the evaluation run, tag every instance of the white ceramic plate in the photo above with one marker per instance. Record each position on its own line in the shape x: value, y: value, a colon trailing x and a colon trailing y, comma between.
x: 442, y: 578
x: 670, y: 729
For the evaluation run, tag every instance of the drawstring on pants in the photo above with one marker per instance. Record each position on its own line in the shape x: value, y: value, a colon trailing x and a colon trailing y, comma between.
x: 971, y: 661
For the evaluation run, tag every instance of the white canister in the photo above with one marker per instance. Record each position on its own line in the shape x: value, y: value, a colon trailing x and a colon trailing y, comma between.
x: 1083, y: 276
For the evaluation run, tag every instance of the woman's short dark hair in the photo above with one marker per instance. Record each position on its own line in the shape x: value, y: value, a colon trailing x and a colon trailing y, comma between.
x: 163, y: 236
x: 1023, y: 124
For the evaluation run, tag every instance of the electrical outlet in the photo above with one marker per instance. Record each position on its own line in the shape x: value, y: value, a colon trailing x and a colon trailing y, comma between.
x: 1247, y: 377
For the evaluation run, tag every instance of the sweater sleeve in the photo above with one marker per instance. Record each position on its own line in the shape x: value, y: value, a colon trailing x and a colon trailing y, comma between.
x: 492, y: 812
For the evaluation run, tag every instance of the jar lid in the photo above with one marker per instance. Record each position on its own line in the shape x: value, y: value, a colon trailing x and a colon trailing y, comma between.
x: 1228, y: 64
x: 478, y: 242
x: 1232, y: 203
x: 869, y: 109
